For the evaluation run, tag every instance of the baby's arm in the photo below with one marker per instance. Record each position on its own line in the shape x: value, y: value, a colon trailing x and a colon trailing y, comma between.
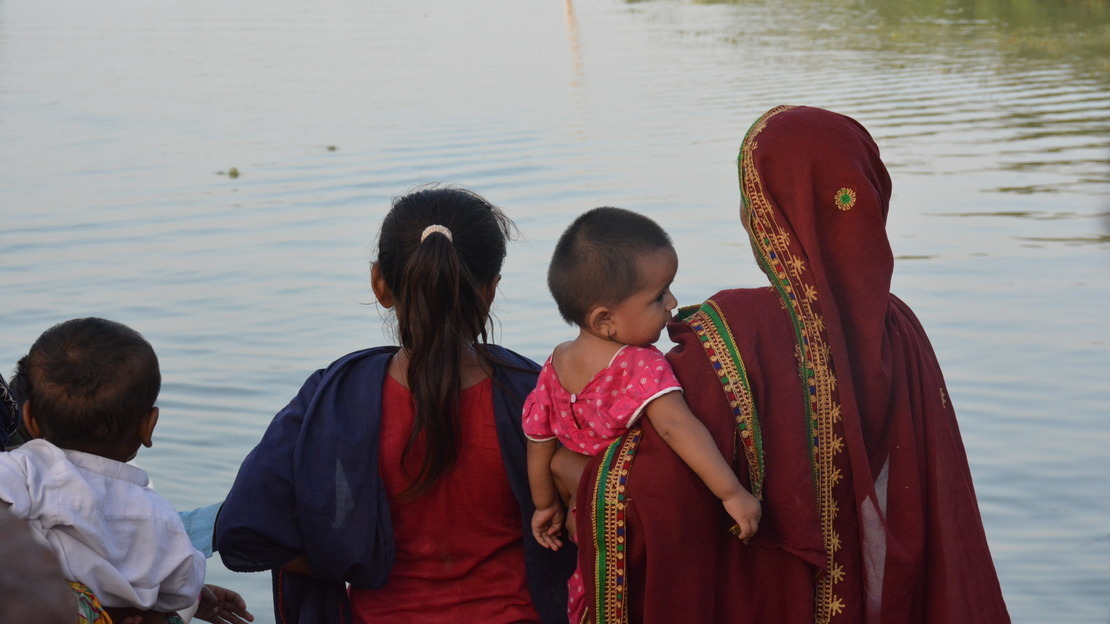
x: 549, y: 517
x: 689, y: 438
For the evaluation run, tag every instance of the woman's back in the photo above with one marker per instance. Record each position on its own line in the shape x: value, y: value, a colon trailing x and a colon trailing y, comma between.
x: 825, y: 388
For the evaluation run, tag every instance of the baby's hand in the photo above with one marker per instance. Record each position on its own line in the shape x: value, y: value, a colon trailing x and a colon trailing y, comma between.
x: 746, y: 511
x: 222, y: 606
x: 547, y: 523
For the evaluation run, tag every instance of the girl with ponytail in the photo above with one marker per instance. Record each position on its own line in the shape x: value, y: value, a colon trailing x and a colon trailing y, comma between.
x: 393, y: 488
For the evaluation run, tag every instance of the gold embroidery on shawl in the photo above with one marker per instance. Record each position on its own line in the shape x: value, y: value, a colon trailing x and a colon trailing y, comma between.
x: 709, y: 324
x: 610, y: 571
x: 772, y: 243
x: 845, y: 199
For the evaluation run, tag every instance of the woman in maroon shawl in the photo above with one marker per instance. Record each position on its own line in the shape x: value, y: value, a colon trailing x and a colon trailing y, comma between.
x: 824, y: 390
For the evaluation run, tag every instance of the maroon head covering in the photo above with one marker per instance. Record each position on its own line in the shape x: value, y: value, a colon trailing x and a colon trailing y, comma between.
x: 825, y: 391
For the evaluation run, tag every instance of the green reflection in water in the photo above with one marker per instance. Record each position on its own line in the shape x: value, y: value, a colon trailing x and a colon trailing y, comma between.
x: 1076, y: 32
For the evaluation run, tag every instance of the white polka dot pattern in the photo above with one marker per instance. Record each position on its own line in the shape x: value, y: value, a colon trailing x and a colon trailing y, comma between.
x: 604, y: 410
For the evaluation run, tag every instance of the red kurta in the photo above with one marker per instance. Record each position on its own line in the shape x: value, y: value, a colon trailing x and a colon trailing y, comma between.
x: 459, y: 553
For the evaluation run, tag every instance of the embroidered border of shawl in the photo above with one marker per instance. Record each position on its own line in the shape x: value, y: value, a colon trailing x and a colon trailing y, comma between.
x: 786, y: 272
x: 715, y: 335
x: 610, y: 581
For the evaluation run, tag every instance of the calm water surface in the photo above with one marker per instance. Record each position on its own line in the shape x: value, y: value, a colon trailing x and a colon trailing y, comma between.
x: 121, y: 122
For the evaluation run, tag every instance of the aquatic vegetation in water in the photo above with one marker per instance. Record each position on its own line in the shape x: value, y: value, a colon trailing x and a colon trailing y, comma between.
x: 1022, y: 33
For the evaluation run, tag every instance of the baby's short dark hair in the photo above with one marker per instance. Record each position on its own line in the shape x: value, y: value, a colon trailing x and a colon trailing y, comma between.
x: 595, y: 260
x: 90, y: 382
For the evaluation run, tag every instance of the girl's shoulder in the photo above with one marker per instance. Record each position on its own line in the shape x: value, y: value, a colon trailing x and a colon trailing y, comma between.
x: 366, y: 364
x: 374, y: 356
x: 512, y: 371
x: 511, y: 359
x: 362, y: 357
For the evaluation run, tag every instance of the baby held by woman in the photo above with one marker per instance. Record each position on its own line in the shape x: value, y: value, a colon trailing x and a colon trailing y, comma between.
x: 611, y: 275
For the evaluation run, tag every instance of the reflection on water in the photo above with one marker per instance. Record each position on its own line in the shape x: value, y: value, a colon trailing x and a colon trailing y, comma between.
x: 213, y: 174
x: 1039, y: 216
x: 1026, y: 32
x: 1037, y: 71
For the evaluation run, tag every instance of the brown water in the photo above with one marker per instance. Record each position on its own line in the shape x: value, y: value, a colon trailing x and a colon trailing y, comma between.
x: 120, y: 123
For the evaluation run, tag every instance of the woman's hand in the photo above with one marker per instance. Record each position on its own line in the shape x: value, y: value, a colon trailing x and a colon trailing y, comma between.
x: 222, y: 606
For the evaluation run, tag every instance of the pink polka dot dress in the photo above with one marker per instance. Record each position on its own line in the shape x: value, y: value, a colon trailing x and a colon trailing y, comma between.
x: 589, y: 421
x: 606, y: 408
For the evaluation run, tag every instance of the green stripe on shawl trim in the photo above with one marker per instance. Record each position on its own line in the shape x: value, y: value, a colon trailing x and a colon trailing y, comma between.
x: 738, y: 390
x: 610, y: 572
x: 773, y: 248
x: 600, y: 542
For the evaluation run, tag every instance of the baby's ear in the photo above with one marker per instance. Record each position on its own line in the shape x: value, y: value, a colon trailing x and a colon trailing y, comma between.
x: 598, y: 319
x: 146, y: 427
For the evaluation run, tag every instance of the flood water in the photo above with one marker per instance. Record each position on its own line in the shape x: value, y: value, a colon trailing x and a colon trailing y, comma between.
x: 214, y: 173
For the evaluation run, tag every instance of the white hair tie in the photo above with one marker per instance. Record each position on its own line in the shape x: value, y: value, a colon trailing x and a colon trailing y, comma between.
x: 433, y: 229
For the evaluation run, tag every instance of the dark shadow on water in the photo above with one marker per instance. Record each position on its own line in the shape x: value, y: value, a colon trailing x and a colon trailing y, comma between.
x: 1030, y: 214
x: 1081, y: 240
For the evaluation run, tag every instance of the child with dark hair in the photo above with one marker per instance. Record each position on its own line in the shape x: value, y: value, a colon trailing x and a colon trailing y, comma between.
x: 611, y: 275
x: 89, y: 387
x: 393, y: 488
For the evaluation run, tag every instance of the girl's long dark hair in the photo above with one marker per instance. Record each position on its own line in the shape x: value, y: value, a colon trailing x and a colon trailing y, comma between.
x: 438, y: 288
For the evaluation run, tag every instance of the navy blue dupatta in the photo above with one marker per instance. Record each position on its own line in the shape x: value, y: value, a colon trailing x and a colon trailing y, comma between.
x: 9, y: 414
x: 311, y: 487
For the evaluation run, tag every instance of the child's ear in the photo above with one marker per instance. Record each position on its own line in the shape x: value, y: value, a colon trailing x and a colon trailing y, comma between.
x: 381, y: 289
x: 490, y: 290
x: 146, y: 428
x: 599, y: 319
x: 29, y: 421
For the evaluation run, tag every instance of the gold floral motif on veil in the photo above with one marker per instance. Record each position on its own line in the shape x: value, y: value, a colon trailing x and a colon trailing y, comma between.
x: 772, y: 243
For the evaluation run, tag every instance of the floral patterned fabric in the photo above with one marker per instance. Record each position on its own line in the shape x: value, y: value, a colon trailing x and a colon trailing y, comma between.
x: 604, y: 410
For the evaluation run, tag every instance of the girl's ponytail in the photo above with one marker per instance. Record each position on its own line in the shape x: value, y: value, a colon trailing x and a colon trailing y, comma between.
x: 439, y: 278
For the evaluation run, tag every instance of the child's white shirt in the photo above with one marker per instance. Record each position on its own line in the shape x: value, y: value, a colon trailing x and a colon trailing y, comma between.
x: 109, y: 529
